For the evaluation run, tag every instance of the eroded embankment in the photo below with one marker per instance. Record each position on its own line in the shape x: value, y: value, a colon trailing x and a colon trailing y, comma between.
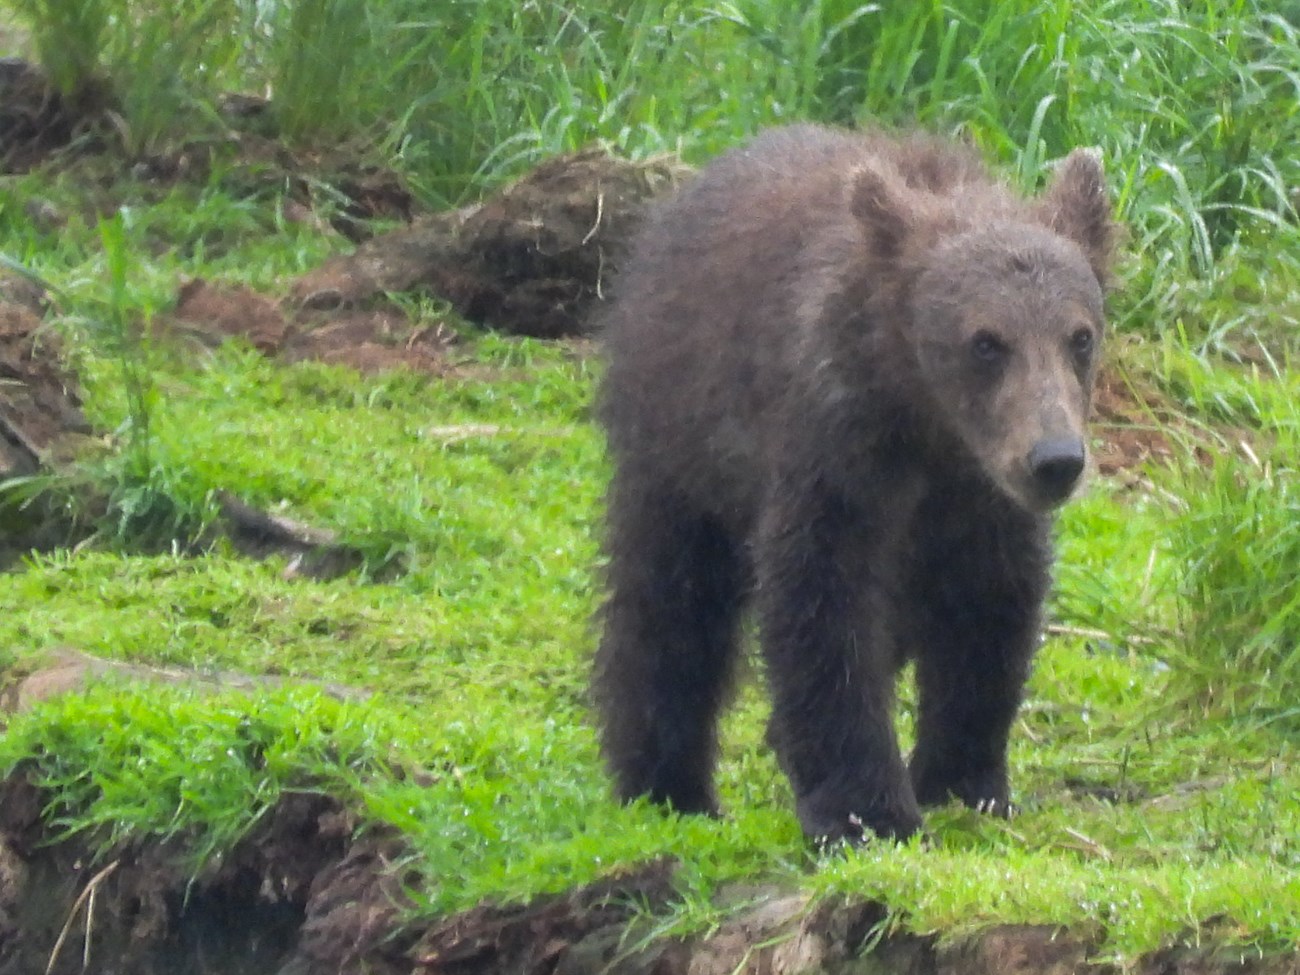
x: 307, y: 893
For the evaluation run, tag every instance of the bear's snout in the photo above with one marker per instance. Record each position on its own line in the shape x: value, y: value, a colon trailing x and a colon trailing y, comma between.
x: 1056, y: 463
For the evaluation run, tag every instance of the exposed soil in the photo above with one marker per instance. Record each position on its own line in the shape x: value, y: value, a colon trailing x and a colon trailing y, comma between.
x: 36, y: 120
x: 39, y: 402
x: 369, y: 341
x: 1130, y: 421
x: 41, y: 422
x: 528, y: 261
x: 305, y: 894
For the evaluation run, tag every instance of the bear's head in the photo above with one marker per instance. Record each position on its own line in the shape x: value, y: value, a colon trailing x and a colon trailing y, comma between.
x: 1004, y: 318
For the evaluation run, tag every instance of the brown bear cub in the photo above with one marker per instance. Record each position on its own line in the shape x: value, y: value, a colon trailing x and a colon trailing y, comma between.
x: 848, y: 378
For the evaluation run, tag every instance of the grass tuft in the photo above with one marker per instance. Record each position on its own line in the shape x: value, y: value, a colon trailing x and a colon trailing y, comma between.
x: 1237, y: 644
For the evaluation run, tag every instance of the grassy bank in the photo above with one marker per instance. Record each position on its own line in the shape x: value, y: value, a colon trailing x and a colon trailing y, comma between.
x: 1156, y: 757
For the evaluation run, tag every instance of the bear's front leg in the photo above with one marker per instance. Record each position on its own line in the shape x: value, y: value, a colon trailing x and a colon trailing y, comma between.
x: 977, y: 607
x: 831, y: 671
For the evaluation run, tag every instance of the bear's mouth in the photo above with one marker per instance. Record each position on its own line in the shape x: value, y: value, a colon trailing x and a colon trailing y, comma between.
x: 1038, y: 497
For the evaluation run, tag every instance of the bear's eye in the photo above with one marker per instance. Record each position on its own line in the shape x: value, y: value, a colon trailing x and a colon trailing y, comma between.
x: 1081, y: 343
x: 988, y: 348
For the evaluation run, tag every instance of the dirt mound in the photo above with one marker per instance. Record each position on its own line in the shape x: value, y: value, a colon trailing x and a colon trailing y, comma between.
x: 212, y: 314
x: 39, y: 402
x: 36, y: 119
x: 41, y: 422
x: 528, y: 261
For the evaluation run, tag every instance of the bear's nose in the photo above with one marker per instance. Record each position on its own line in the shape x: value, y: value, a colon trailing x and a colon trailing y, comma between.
x: 1056, y: 464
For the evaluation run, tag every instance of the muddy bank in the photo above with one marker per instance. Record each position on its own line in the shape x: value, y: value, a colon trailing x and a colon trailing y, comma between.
x: 301, y: 889
x: 307, y: 893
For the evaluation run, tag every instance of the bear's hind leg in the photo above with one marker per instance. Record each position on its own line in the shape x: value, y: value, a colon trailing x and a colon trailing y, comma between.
x: 676, y: 581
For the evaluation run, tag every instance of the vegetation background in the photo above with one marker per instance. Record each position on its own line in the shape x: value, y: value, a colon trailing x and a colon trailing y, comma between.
x: 1156, y: 758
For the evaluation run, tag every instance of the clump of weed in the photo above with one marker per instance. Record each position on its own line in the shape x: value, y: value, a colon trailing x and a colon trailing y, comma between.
x: 154, y: 66
x: 129, y: 494
x: 146, y: 501
x: 1236, y: 645
x: 68, y: 37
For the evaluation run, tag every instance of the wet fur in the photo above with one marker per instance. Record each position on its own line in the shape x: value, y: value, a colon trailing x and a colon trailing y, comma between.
x: 794, y: 424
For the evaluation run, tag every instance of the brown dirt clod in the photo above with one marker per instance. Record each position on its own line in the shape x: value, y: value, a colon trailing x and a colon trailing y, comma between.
x: 527, y: 261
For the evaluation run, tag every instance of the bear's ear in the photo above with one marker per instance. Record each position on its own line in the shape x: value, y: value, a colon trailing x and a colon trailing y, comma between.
x: 1075, y: 205
x: 883, y: 214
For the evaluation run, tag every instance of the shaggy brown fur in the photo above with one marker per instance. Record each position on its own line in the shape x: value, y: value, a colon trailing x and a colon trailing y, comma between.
x: 848, y: 377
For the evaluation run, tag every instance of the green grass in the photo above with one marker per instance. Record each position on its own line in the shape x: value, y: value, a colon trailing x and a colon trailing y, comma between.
x: 1192, y: 105
x: 478, y: 656
x: 475, y: 498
